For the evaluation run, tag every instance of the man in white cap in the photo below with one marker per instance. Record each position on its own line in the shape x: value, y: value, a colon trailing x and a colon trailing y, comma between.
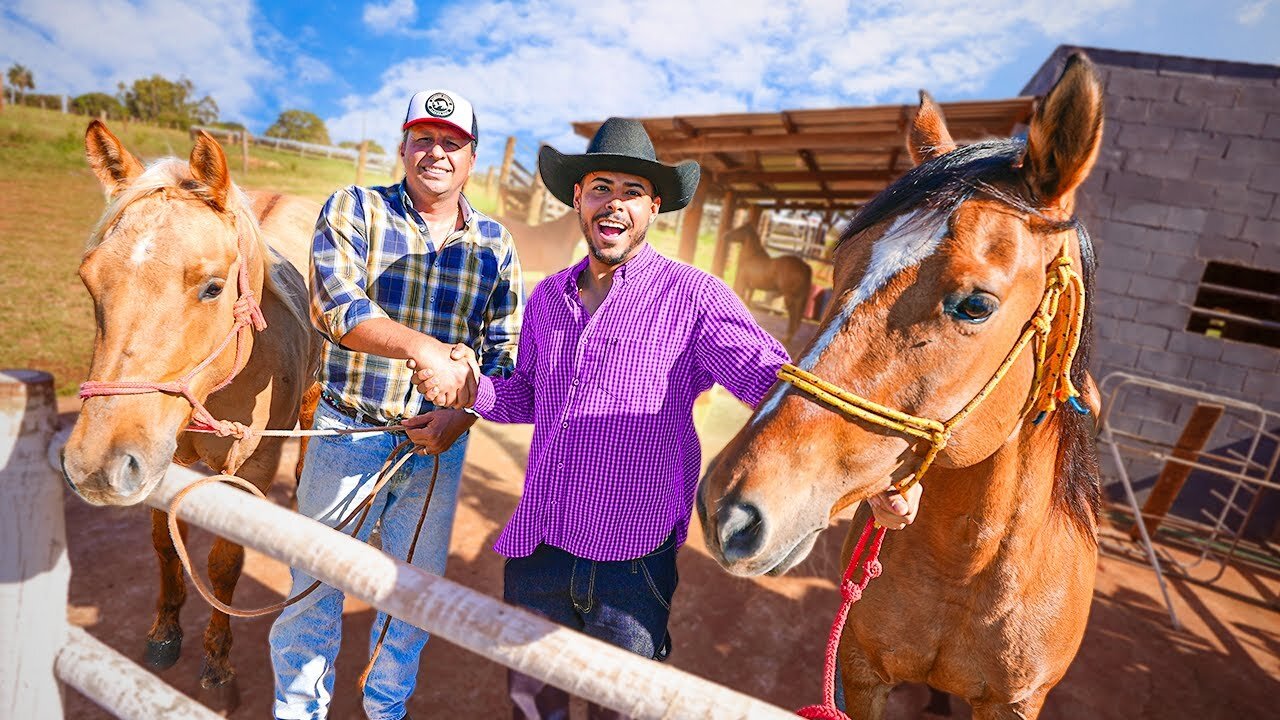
x: 401, y: 273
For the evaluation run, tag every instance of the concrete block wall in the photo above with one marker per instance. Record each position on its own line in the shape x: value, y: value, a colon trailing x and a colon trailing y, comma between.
x: 1189, y: 172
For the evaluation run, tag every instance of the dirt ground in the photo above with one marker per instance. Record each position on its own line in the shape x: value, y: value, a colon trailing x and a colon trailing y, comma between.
x: 763, y: 636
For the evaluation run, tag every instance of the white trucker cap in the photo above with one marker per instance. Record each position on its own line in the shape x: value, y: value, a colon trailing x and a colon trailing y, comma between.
x: 444, y: 107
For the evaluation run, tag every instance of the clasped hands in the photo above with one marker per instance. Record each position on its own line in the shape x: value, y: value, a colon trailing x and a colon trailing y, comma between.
x: 446, y: 376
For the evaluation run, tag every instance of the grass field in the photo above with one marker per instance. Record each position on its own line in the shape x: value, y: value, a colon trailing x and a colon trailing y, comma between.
x: 49, y: 202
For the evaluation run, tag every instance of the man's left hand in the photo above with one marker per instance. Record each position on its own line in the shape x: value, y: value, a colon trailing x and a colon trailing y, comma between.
x: 438, y: 430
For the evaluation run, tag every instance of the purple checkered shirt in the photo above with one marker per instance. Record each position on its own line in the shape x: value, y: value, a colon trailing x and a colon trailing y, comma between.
x: 615, y: 459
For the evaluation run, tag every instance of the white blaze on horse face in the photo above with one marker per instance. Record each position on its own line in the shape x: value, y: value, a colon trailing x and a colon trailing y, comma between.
x: 909, y: 240
x: 142, y: 248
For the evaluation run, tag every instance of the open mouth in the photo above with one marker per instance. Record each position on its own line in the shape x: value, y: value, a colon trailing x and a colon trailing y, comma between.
x: 610, y: 229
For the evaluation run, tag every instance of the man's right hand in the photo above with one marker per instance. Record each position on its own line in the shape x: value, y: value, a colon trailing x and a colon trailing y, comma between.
x: 443, y: 380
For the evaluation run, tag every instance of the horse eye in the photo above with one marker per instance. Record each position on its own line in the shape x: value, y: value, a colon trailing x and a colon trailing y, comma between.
x: 211, y: 290
x: 974, y: 308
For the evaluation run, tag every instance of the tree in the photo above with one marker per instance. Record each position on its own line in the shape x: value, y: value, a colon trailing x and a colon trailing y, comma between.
x: 166, y: 102
x: 97, y: 103
x: 21, y: 80
x: 373, y: 148
x: 300, y: 125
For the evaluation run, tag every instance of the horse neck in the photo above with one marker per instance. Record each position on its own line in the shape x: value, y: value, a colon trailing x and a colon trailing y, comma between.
x: 752, y: 245
x: 973, y: 514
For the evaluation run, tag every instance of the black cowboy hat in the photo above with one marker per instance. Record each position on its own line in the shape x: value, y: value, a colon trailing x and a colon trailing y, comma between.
x: 620, y: 145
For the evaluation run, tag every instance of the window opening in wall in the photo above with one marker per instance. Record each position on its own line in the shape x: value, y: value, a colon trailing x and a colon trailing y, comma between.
x: 1238, y: 303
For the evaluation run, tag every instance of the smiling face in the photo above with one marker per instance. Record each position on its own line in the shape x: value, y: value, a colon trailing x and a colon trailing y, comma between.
x: 438, y: 160
x: 615, y: 210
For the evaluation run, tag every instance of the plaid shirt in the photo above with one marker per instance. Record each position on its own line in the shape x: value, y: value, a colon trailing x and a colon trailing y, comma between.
x: 372, y: 258
x: 615, y: 459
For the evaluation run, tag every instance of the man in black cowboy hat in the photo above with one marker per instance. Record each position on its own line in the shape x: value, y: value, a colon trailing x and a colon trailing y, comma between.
x: 613, y: 352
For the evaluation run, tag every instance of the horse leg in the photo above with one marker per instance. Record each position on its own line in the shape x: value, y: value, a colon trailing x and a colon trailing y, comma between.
x: 865, y: 694
x: 795, y: 309
x: 164, y: 640
x: 1026, y: 709
x: 220, y: 690
x: 306, y: 418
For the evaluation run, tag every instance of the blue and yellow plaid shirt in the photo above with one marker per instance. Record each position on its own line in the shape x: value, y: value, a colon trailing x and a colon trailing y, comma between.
x: 372, y: 257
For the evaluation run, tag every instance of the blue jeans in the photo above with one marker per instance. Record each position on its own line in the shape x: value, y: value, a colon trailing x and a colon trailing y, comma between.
x: 339, y: 472
x: 626, y: 603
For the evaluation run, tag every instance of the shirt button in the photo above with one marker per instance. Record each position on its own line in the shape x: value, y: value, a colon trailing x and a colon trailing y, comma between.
x: 564, y: 424
x: 575, y: 381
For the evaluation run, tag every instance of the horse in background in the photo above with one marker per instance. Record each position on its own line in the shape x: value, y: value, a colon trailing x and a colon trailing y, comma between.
x: 940, y: 281
x: 548, y: 247
x: 164, y: 267
x: 757, y: 270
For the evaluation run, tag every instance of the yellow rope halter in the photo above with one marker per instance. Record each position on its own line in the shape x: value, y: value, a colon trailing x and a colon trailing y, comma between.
x: 1051, y: 385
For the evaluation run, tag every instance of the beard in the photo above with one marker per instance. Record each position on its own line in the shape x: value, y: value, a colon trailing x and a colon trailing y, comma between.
x: 616, y: 255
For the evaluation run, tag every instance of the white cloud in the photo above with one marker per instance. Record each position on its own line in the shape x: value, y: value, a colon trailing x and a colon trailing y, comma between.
x: 79, y: 46
x: 536, y: 66
x: 390, y: 16
x: 1252, y: 13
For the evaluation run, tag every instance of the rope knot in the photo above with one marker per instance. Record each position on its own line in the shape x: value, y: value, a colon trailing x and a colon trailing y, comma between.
x: 821, y: 712
x: 231, y: 428
x: 249, y: 312
x: 851, y: 591
x: 873, y: 569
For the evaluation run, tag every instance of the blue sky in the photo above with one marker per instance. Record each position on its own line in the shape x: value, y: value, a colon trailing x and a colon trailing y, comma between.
x: 532, y: 67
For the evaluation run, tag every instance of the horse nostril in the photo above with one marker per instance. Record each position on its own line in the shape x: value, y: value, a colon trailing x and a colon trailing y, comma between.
x: 128, y: 475
x: 741, y: 530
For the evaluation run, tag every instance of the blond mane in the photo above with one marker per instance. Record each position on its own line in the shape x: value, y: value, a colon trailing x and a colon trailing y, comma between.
x: 173, y: 174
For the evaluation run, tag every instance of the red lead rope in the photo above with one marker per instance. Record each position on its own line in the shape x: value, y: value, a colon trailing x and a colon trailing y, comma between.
x: 851, y: 592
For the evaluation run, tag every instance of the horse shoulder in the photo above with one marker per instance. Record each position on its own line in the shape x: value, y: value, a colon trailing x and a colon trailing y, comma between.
x: 287, y: 224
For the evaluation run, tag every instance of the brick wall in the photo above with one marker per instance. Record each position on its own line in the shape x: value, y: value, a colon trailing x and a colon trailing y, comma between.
x: 1189, y: 172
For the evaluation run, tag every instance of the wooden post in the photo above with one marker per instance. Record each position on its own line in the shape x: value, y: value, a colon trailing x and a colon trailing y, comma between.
x: 490, y: 178
x: 244, y: 151
x: 690, y: 224
x: 34, y: 570
x: 726, y: 224
x: 397, y: 170
x: 364, y: 154
x: 504, y: 176
x: 1, y: 93
x: 537, y: 195
x: 1195, y: 434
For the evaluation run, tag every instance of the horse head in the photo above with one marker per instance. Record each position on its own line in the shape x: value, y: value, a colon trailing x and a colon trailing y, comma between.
x: 164, y: 269
x: 936, y: 281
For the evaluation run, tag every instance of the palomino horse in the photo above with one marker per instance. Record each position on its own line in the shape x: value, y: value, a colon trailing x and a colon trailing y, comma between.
x: 987, y: 594
x: 548, y: 247
x: 176, y: 266
x: 786, y: 274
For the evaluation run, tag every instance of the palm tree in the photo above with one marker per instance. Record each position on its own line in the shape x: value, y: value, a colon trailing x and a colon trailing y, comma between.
x: 21, y: 80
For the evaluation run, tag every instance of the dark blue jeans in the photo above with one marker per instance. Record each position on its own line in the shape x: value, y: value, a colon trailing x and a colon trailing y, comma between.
x: 626, y: 603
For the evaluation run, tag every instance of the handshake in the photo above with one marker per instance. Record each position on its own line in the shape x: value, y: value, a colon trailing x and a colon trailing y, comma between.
x: 446, y: 376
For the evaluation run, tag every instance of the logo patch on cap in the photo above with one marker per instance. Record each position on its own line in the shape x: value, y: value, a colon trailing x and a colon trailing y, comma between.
x: 440, y: 105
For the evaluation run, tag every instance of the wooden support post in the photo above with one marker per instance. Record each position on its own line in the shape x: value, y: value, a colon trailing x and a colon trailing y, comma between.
x: 504, y: 176
x: 34, y: 570
x: 360, y: 160
x: 1195, y: 434
x: 726, y: 224
x: 537, y: 196
x: 1, y: 93
x: 244, y: 151
x: 754, y: 215
x: 397, y: 172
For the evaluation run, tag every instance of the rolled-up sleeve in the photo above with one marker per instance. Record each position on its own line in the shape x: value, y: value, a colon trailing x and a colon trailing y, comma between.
x: 339, y: 267
x: 511, y: 399
x: 503, y: 315
x: 732, y: 347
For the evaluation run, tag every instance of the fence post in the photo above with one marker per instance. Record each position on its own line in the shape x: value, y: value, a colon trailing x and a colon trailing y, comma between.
x: 691, y: 223
x: 504, y: 176
x: 34, y: 570
x: 360, y: 160
x: 244, y: 150
x: 1, y: 93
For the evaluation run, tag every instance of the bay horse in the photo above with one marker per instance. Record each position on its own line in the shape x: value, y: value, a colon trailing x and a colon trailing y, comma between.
x: 548, y: 247
x: 785, y: 274
x: 175, y: 266
x: 939, y: 281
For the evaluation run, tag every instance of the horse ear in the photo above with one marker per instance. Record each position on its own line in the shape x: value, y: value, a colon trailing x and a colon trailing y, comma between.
x: 114, y: 166
x: 1065, y: 133
x: 928, y: 137
x: 209, y: 168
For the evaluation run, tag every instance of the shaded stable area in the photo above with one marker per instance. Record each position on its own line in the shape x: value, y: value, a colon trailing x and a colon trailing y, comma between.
x: 830, y: 160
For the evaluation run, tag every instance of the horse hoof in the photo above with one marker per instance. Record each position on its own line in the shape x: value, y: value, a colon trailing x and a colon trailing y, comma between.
x: 162, y: 654
x: 221, y: 697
